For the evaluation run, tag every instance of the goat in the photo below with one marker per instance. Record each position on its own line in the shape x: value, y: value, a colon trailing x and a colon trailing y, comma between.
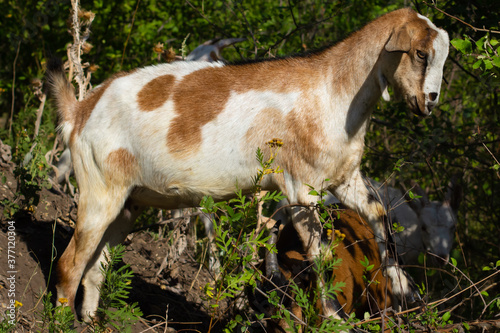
x: 429, y: 226
x: 365, y: 291
x: 167, y: 135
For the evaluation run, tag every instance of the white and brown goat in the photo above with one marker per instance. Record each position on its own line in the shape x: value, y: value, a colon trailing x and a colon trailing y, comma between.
x: 167, y: 135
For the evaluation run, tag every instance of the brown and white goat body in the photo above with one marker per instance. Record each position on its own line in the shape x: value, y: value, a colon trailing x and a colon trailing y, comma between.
x: 365, y: 290
x: 167, y: 135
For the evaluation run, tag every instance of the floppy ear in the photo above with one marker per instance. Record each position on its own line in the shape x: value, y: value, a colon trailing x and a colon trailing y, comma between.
x: 399, y: 41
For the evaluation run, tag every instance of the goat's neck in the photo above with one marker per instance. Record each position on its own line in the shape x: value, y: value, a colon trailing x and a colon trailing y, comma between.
x: 354, y: 78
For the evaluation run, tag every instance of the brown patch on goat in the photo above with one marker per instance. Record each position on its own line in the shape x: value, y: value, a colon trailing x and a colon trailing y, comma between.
x: 64, y: 269
x: 155, y: 93
x: 360, y: 242
x: 198, y: 99
x: 84, y: 108
x: 200, y: 96
x: 121, y: 165
x: 300, y: 135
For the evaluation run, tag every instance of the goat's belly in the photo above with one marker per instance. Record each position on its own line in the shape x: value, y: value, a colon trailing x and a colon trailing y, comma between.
x: 170, y: 199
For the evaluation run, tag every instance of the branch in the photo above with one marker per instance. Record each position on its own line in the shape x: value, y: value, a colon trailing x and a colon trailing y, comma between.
x: 459, y: 20
x: 130, y: 32
x: 13, y: 87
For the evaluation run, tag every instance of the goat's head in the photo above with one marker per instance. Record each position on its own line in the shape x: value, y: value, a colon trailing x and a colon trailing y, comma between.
x: 413, y: 61
x: 439, y: 222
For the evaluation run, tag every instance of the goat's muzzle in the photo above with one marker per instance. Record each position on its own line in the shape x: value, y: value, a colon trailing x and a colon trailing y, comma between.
x: 421, y: 108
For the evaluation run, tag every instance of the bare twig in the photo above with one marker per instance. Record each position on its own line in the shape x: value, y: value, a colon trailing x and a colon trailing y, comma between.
x: 461, y: 21
x: 39, y: 114
x: 13, y: 87
x: 130, y: 32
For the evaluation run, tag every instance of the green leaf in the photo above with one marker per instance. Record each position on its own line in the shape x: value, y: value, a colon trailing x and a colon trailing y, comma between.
x: 446, y: 316
x: 485, y: 293
x: 477, y: 64
x: 453, y: 261
x: 488, y: 64
x: 496, y: 61
x: 463, y: 45
x: 480, y: 43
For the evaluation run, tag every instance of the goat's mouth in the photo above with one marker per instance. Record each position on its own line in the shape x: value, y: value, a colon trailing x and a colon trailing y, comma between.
x: 420, y: 109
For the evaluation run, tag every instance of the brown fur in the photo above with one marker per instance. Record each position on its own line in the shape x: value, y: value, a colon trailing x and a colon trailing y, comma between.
x: 196, y: 104
x: 122, y: 167
x: 300, y: 134
x: 155, y: 93
x: 358, y: 296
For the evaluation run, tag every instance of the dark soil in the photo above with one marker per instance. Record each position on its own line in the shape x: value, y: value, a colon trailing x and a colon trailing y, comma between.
x: 173, y: 295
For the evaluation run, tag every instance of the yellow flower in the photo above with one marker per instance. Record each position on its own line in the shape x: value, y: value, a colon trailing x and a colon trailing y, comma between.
x: 208, y: 290
x: 329, y: 234
x: 275, y: 142
x: 18, y: 304
x: 63, y: 300
x: 339, y: 236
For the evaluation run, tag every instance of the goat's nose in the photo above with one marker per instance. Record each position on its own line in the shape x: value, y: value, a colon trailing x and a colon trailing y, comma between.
x: 433, y: 96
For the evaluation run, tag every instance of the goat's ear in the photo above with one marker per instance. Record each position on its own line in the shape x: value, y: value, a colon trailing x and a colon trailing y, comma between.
x: 400, y: 41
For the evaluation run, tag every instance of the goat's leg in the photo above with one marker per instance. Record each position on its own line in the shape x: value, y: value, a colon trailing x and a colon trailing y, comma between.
x: 355, y: 195
x: 307, y: 223
x: 92, y: 277
x: 208, y: 223
x: 95, y: 214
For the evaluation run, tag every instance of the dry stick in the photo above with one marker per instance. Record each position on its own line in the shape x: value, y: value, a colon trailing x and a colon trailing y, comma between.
x: 131, y: 27
x: 489, y: 151
x: 13, y: 87
x: 76, y: 51
x: 459, y: 20
x: 39, y: 114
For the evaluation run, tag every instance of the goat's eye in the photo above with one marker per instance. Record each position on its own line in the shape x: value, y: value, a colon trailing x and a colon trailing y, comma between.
x: 421, y: 55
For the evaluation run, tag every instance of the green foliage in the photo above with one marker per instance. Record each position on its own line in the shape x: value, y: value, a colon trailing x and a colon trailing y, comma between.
x: 113, y: 310
x: 31, y: 173
x: 55, y: 318
x: 485, y: 53
x: 238, y: 243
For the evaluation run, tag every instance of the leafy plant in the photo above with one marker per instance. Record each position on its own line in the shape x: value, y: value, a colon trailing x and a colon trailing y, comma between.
x: 113, y: 309
x: 55, y: 318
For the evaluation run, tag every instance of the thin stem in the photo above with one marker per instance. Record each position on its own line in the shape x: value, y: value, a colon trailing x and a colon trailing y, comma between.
x: 13, y: 88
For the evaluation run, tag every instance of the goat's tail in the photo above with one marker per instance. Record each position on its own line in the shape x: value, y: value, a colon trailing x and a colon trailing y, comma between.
x: 64, y: 94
